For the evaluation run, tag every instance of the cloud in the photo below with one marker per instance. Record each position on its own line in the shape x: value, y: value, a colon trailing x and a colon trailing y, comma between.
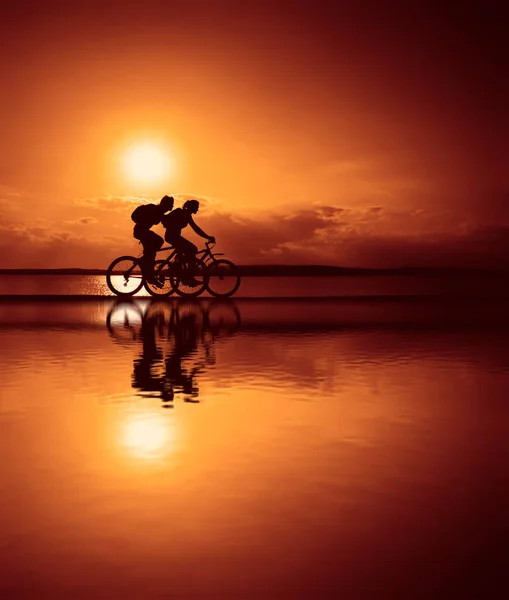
x: 11, y: 199
x: 206, y: 202
x: 372, y: 236
x: 368, y: 236
x: 126, y: 204
x: 44, y: 246
x: 82, y: 221
x: 7, y: 191
x: 111, y: 203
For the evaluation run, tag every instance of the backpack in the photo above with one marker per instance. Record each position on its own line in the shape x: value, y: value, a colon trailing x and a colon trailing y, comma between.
x: 142, y: 215
x: 175, y: 221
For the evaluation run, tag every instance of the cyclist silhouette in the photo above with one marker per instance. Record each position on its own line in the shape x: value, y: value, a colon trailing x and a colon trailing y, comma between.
x: 177, y: 220
x: 145, y: 376
x: 165, y: 376
x: 145, y: 217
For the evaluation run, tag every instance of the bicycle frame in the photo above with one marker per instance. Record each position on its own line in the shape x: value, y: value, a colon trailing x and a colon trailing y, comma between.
x: 207, y: 257
x: 127, y: 274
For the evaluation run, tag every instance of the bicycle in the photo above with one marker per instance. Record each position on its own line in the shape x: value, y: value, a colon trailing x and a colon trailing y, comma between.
x: 220, y: 277
x: 126, y: 318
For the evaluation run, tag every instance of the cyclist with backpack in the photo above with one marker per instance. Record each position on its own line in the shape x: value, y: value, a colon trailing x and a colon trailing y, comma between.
x: 177, y: 220
x: 145, y: 217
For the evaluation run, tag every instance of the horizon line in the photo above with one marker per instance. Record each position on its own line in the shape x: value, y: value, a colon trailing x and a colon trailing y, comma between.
x: 253, y: 269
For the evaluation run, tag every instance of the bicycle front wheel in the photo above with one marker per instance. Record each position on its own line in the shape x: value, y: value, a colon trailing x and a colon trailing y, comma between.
x: 186, y: 284
x: 164, y: 286
x: 224, y: 278
x: 223, y: 317
x: 124, y: 276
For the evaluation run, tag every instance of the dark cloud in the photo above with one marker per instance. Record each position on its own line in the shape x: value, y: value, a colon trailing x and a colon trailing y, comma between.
x: 487, y: 247
x: 368, y: 237
x: 43, y: 247
x: 371, y: 236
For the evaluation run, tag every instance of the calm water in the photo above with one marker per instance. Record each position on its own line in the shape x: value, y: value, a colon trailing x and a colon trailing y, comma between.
x: 257, y: 449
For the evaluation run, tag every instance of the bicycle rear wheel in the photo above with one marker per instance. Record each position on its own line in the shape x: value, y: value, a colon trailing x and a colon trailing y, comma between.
x: 124, y: 321
x: 162, y: 276
x: 124, y: 276
x: 224, y: 278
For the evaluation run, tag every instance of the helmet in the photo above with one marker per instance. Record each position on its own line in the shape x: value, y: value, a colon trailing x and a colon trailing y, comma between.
x: 191, y: 205
x: 167, y: 201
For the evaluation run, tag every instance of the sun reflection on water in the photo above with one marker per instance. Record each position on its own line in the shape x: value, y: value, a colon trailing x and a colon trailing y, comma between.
x: 148, y: 436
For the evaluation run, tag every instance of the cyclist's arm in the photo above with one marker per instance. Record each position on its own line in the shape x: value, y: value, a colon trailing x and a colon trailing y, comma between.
x: 197, y: 230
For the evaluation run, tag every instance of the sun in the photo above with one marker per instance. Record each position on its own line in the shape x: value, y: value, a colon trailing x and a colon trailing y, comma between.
x: 146, y: 163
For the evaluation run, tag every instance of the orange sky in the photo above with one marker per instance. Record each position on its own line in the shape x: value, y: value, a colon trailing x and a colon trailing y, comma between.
x: 318, y: 134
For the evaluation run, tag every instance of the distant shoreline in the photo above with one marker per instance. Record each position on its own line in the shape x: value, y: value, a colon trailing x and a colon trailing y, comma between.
x: 289, y: 271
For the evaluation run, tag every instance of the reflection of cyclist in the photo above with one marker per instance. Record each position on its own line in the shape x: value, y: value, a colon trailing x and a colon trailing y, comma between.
x: 172, y: 338
x: 186, y: 339
x: 145, y: 217
x: 177, y: 220
x: 150, y: 374
x: 144, y: 372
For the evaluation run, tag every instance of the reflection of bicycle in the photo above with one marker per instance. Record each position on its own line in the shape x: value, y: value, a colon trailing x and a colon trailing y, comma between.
x: 125, y: 318
x: 220, y: 277
x: 176, y: 340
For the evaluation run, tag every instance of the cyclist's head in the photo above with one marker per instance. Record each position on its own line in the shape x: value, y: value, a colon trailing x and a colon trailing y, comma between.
x: 166, y: 203
x: 192, y: 206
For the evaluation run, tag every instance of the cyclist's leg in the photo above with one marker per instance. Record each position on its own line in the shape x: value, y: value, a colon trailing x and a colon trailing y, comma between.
x: 151, y: 244
x: 139, y: 234
x: 187, y: 249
